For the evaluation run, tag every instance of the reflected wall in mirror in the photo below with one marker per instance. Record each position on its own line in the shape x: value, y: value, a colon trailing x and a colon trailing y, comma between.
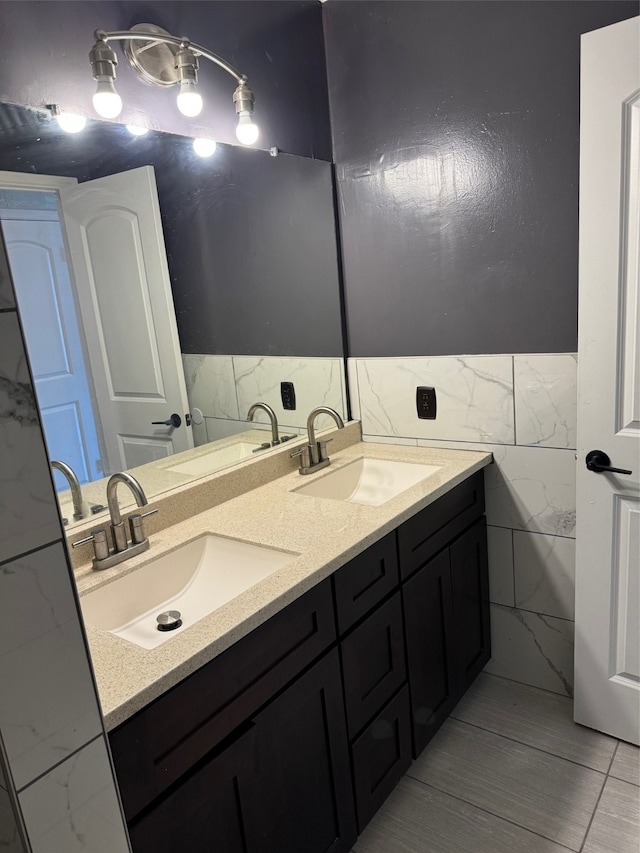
x: 107, y: 234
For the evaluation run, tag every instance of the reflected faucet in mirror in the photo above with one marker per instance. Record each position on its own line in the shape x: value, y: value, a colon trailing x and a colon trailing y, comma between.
x: 275, y: 438
x: 80, y: 507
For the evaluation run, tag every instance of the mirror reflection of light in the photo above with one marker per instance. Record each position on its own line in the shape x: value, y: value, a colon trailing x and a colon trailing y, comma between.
x: 204, y: 147
x: 71, y: 122
x: 136, y: 130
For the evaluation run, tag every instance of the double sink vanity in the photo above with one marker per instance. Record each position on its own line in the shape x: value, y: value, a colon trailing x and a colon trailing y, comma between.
x: 328, y: 625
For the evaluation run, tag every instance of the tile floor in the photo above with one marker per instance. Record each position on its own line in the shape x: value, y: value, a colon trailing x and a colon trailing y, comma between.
x: 510, y: 772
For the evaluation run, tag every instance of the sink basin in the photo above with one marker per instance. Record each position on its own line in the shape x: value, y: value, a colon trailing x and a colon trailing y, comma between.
x: 196, y: 579
x: 216, y: 459
x: 369, y: 481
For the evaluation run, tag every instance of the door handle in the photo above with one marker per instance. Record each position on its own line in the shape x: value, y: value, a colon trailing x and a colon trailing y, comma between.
x: 174, y: 421
x: 598, y: 461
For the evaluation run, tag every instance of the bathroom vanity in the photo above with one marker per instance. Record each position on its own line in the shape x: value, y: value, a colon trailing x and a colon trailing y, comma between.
x: 290, y: 737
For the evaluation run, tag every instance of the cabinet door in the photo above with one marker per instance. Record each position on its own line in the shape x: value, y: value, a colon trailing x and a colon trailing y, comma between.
x: 381, y: 755
x: 470, y: 585
x: 206, y: 812
x: 373, y: 664
x: 431, y: 656
x: 302, y: 797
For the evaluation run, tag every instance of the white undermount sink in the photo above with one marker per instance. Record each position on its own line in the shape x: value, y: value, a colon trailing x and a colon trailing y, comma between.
x: 368, y: 481
x: 195, y: 579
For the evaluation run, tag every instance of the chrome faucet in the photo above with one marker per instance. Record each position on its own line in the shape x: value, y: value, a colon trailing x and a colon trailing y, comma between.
x: 313, y: 456
x: 275, y: 438
x: 122, y: 548
x: 74, y: 485
x: 117, y: 524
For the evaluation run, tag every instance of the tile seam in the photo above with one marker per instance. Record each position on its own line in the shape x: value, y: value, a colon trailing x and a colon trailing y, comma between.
x: 493, y: 814
x: 23, y: 788
x: 529, y: 746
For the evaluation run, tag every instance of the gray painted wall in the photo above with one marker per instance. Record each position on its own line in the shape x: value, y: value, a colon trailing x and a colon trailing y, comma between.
x: 456, y: 129
x: 250, y: 238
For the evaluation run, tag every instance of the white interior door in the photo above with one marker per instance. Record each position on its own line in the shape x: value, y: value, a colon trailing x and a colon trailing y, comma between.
x: 40, y: 274
x: 607, y: 692
x: 117, y: 247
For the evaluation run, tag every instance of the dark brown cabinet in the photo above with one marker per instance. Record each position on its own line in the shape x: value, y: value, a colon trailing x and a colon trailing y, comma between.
x: 292, y: 739
x: 207, y: 809
x: 446, y: 605
x: 301, y: 792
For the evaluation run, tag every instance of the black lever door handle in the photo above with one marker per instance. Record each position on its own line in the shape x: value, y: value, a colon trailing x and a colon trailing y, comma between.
x: 174, y: 421
x: 598, y: 461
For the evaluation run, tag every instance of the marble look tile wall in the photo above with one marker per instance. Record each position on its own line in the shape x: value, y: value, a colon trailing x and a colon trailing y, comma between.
x: 49, y: 713
x: 10, y: 841
x: 40, y: 631
x: 224, y: 387
x: 523, y: 409
x: 10, y: 836
x: 75, y: 807
x: 28, y: 506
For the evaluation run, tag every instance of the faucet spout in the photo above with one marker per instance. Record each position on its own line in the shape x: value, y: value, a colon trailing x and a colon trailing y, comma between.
x: 313, y: 414
x: 112, y: 494
x: 74, y: 485
x: 275, y: 439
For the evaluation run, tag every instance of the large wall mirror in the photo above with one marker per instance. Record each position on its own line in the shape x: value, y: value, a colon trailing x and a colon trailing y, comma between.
x: 163, y: 293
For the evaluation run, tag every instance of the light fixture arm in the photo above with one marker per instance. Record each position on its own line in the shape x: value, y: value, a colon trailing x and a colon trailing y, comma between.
x: 198, y: 50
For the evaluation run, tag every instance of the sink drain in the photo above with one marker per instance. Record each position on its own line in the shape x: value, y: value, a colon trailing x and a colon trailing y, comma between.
x: 169, y: 620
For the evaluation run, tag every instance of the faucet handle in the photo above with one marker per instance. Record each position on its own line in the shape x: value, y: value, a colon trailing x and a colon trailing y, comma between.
x: 136, y: 526
x: 100, y: 544
x: 305, y: 456
x: 322, y: 449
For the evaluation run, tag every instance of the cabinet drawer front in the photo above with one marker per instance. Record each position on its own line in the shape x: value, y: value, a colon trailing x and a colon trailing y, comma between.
x: 373, y: 664
x: 381, y: 756
x: 429, y: 531
x: 431, y: 653
x: 365, y: 581
x: 162, y: 742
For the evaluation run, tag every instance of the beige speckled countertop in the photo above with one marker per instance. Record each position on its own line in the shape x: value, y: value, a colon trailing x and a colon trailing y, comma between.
x: 325, y: 533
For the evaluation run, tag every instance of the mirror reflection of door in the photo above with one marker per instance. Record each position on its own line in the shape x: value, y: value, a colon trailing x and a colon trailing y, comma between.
x: 118, y: 286
x: 42, y: 280
x: 114, y: 230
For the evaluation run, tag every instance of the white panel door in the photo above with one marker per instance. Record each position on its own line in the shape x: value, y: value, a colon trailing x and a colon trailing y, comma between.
x: 42, y: 282
x: 118, y: 254
x: 607, y: 692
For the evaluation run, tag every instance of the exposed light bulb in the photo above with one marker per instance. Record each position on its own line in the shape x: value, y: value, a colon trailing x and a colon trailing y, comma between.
x: 204, y: 147
x: 136, y: 130
x: 71, y: 122
x: 106, y: 101
x: 247, y: 132
x: 189, y: 99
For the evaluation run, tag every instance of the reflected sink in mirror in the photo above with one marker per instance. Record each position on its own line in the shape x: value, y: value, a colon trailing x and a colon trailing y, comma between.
x: 371, y: 482
x: 211, y: 462
x: 195, y: 579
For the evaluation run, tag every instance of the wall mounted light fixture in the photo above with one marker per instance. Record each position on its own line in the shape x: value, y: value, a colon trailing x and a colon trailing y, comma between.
x: 165, y: 60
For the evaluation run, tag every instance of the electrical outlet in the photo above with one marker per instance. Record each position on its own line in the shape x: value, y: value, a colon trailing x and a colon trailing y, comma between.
x: 288, y: 394
x: 426, y: 404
